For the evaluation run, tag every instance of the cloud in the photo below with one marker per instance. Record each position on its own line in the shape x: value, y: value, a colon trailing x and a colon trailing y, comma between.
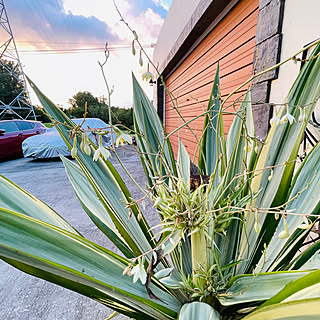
x: 47, y: 24
x: 143, y: 16
x: 165, y: 4
x: 62, y: 24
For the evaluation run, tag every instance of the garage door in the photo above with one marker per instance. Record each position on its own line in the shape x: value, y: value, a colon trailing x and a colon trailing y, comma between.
x: 231, y: 43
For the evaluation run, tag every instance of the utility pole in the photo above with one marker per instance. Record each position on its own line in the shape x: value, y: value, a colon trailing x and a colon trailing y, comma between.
x: 9, y: 53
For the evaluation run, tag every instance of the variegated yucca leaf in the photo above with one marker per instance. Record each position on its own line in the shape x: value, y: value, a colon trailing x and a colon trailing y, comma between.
x: 16, y: 199
x: 150, y: 135
x: 198, y: 310
x: 279, y: 152
x: 212, y: 144
x: 107, y: 183
x: 76, y: 263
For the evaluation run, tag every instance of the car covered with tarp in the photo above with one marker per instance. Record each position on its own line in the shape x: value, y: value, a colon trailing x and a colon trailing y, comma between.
x: 51, y: 145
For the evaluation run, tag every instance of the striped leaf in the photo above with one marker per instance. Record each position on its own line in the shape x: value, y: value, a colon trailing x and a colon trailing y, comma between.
x: 183, y: 163
x: 281, y: 251
x: 76, y: 263
x: 151, y: 135
x: 296, y: 290
x: 213, y: 138
x: 239, y: 146
x: 198, y: 310
x: 280, y: 149
x: 305, y: 309
x: 107, y: 184
x: 251, y: 288
x: 93, y: 206
x: 307, y: 260
x: 16, y: 199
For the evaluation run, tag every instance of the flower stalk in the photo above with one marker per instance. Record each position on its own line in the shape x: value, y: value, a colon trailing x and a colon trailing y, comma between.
x: 199, y: 254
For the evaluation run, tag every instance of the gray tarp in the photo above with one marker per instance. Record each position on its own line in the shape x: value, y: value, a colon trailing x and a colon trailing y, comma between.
x: 50, y: 144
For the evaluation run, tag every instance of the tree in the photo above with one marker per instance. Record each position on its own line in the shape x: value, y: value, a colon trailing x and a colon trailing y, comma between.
x: 97, y: 109
x: 81, y: 98
x: 10, y: 87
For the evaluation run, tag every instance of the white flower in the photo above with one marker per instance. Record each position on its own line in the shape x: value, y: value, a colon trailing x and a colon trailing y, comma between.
x: 288, y: 117
x: 147, y: 76
x: 285, y: 233
x: 74, y: 147
x: 123, y: 137
x: 257, y: 226
x: 84, y: 145
x: 247, y: 148
x: 133, y: 48
x: 138, y: 272
x: 300, y: 114
x: 101, y: 151
x: 274, y: 121
x: 305, y: 225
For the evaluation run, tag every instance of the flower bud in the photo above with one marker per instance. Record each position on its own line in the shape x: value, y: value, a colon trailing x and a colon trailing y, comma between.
x: 74, y: 147
x: 133, y: 48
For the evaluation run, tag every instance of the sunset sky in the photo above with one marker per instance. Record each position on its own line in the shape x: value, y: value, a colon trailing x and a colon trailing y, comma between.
x: 61, y: 41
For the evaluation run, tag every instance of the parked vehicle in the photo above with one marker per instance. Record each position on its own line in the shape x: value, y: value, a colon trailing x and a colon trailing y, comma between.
x: 51, y: 145
x: 13, y: 133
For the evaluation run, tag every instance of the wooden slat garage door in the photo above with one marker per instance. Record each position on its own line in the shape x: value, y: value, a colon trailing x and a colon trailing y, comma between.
x: 231, y: 43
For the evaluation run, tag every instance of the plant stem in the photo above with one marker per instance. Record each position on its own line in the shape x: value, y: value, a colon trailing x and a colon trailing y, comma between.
x: 199, y: 254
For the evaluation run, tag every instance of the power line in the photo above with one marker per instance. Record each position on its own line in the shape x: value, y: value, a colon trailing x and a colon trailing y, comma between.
x: 58, y: 42
x: 81, y: 50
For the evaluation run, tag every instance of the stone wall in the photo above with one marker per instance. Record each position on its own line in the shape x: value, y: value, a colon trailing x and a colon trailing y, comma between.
x: 267, y: 54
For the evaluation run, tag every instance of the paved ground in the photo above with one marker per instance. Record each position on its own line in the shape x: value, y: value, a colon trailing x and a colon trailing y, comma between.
x: 23, y: 297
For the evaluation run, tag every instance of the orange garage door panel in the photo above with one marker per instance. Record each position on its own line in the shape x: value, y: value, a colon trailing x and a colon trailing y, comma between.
x: 231, y: 43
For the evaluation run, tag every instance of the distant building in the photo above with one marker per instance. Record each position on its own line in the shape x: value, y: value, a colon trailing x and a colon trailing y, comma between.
x: 244, y: 36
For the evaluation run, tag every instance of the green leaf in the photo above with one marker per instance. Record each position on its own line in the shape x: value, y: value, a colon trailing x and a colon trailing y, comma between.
x: 107, y: 184
x: 198, y: 310
x: 93, y: 206
x: 16, y: 199
x: 72, y: 261
x: 294, y: 287
x: 304, y: 309
x: 250, y: 288
x: 151, y: 133
x: 237, y: 145
x: 112, y: 315
x: 308, y: 259
x: 280, y: 149
x: 173, y: 281
x: 183, y: 163
x: 213, y: 138
x: 306, y: 199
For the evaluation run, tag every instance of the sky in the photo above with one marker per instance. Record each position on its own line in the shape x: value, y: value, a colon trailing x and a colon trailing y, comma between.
x: 61, y: 41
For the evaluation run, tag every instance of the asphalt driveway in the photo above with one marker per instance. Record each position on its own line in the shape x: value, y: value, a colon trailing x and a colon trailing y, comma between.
x: 24, y: 297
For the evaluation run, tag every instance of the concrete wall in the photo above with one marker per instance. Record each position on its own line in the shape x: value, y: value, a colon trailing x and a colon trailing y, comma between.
x: 301, y: 25
x: 179, y: 14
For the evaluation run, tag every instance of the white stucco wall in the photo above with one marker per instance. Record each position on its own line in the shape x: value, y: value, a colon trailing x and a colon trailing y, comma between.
x: 301, y: 25
x: 179, y: 14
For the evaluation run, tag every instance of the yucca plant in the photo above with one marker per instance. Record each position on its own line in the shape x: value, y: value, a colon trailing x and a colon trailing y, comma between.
x: 229, y: 239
